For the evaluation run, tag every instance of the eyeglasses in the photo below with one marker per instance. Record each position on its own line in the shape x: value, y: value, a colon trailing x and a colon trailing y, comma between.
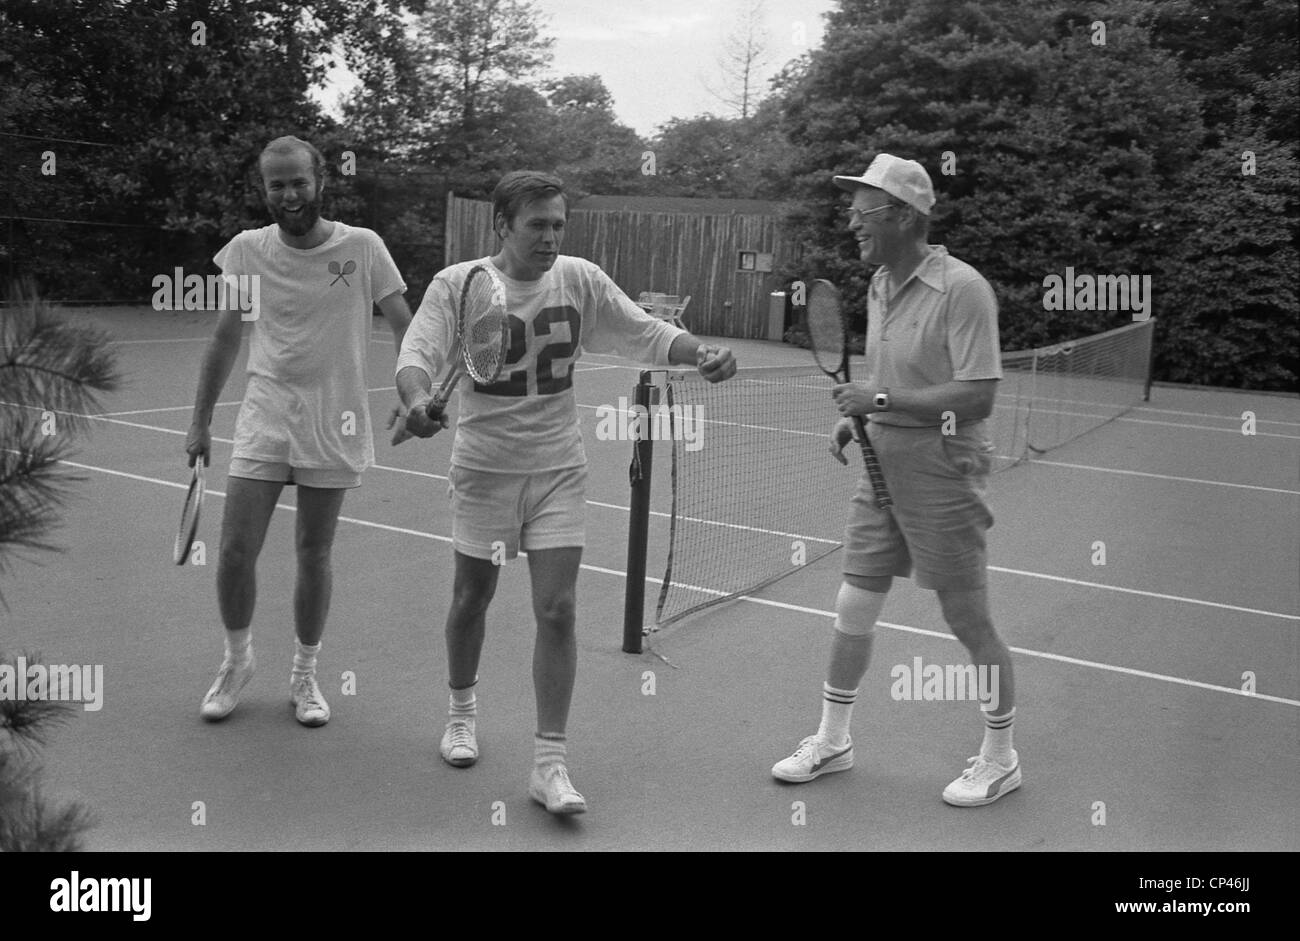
x: 856, y: 214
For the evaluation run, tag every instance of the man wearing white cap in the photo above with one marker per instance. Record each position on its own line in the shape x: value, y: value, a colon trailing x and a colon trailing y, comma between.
x: 933, y: 364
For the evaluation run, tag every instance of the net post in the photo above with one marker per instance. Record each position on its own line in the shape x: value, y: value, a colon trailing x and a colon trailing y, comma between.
x: 1151, y: 359
x: 638, y: 530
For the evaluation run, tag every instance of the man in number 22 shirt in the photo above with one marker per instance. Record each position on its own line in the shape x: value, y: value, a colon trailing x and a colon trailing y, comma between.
x: 518, y: 469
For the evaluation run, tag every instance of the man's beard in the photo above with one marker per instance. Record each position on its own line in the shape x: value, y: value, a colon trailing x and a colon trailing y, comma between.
x: 299, y: 223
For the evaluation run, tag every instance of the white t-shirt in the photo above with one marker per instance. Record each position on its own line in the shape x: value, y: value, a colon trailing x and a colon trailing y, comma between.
x: 527, y: 421
x: 306, y: 401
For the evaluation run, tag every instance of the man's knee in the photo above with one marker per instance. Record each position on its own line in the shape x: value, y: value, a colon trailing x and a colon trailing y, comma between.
x: 556, y: 612
x: 967, y: 614
x: 475, y: 584
x: 238, y: 552
x: 314, y: 554
x: 857, y: 609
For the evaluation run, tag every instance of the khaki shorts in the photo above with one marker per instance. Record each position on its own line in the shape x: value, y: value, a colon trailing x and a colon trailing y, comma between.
x: 545, y: 510
x: 938, y: 521
x: 281, y: 472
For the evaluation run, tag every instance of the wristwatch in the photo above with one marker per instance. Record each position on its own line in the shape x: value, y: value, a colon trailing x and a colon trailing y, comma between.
x: 881, y: 400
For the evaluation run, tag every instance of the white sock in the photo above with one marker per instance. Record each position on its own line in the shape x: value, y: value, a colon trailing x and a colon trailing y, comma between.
x: 239, y: 645
x: 997, y: 737
x: 304, y: 659
x: 837, y: 710
x: 549, y: 748
x: 464, y: 703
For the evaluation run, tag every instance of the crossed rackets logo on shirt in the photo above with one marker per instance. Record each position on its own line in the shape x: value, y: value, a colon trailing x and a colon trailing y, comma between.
x: 343, y: 272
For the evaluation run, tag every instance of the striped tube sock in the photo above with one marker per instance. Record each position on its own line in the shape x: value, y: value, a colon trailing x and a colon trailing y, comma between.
x: 464, y: 702
x: 304, y: 659
x: 837, y: 710
x: 239, y: 645
x: 997, y: 737
x: 549, y: 749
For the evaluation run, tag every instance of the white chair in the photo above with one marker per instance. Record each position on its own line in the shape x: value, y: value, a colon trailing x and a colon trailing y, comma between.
x: 664, y: 306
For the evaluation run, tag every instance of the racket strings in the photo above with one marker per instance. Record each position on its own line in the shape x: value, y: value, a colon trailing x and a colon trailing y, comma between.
x: 484, y: 328
x: 189, y: 514
x: 825, y: 330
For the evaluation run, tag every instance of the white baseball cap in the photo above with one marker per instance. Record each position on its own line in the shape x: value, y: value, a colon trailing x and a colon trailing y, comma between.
x: 903, y: 179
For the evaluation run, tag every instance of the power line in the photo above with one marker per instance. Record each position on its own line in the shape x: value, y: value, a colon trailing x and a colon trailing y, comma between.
x: 59, y: 140
x: 120, y: 225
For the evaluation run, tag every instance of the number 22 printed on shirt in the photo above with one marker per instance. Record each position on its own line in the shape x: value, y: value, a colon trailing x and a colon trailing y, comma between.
x: 515, y: 383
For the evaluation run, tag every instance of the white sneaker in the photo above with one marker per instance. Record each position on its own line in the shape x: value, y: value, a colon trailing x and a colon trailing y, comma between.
x: 459, y: 746
x: 983, y: 782
x: 223, y: 696
x: 309, y: 706
x: 550, y: 785
x: 813, y: 758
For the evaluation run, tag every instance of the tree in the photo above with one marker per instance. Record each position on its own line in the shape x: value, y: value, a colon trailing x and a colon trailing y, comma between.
x: 1048, y: 149
x: 183, y: 93
x: 728, y: 158
x: 744, y: 53
x: 445, y: 76
x: 50, y: 375
x: 578, y: 136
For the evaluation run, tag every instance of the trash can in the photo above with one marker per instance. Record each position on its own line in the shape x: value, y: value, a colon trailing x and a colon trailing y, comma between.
x: 776, y: 316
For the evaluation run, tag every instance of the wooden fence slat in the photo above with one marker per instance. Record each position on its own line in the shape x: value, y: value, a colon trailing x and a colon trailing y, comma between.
x: 675, y: 253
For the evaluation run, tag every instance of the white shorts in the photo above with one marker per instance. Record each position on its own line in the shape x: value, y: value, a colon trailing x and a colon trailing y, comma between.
x: 281, y: 472
x: 545, y: 510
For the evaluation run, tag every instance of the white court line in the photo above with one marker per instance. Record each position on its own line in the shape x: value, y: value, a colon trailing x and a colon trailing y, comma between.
x: 991, y: 568
x: 170, y: 408
x: 729, y: 424
x: 181, y: 408
x: 1040, y: 654
x: 177, y: 340
x: 695, y: 519
x: 1145, y: 594
x: 1232, y: 418
x: 1188, y: 480
x: 1235, y: 431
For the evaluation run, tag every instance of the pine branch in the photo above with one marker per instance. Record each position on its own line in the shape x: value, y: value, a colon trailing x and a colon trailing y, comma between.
x: 51, y: 365
x: 51, y: 375
x: 30, y: 721
x: 29, y: 822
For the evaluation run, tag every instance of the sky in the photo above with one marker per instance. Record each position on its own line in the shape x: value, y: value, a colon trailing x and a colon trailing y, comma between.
x: 657, y: 57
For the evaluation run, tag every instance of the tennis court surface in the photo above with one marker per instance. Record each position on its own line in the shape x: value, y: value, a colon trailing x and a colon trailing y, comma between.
x: 1159, y: 695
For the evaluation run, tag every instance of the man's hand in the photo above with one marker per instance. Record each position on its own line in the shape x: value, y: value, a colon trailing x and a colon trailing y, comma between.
x: 198, y: 443
x: 421, y: 420
x: 845, y: 430
x: 715, y: 363
x: 852, y: 398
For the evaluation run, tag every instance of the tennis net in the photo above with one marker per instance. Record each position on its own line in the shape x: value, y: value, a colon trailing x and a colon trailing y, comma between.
x: 744, y: 492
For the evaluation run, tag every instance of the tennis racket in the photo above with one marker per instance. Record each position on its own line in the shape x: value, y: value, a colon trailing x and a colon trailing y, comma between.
x: 482, y: 340
x: 190, y: 515
x: 828, y: 334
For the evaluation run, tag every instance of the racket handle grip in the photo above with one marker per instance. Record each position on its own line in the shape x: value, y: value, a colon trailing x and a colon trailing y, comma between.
x: 443, y: 392
x: 874, y: 473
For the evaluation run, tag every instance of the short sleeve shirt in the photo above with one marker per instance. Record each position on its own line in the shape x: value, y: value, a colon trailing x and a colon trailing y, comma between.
x: 527, y: 420
x: 306, y: 401
x: 941, y: 325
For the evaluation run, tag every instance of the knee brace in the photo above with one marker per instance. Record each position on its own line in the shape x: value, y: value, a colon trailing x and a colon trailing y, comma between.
x: 857, y: 609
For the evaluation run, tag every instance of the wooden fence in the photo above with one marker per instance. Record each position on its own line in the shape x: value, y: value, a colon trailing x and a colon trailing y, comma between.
x: 672, y: 253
